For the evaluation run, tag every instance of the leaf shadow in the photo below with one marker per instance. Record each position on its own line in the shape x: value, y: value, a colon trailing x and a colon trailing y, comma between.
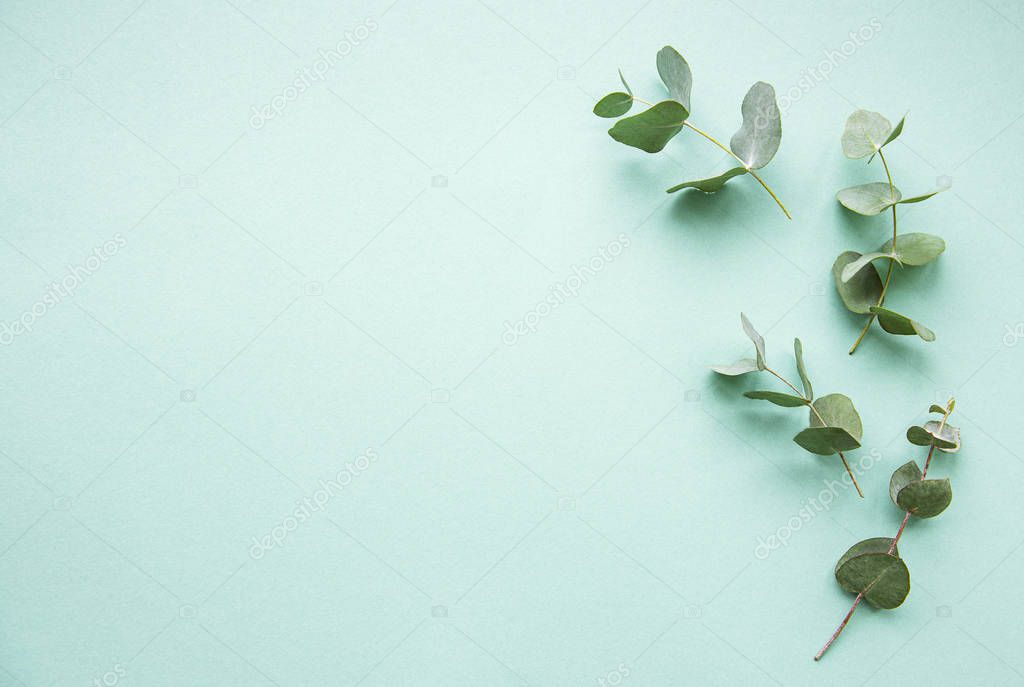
x: 694, y: 207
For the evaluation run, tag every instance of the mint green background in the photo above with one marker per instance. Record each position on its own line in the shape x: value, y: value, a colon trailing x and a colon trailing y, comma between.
x: 587, y: 500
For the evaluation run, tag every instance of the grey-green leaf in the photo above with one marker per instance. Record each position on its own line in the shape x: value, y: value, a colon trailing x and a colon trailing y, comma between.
x: 779, y: 399
x: 798, y: 353
x: 837, y: 410
x: 760, y: 135
x: 948, y: 440
x: 895, y: 132
x: 901, y: 477
x: 740, y: 367
x: 925, y: 498
x: 869, y: 199
x: 860, y: 263
x: 894, y: 323
x: 862, y: 291
x: 624, y: 84
x: 869, y: 569
x: 915, y: 248
x: 710, y: 185
x: 613, y: 105
x: 824, y: 441
x: 865, y: 133
x: 652, y: 129
x: 756, y: 338
x: 923, y: 196
x: 675, y: 73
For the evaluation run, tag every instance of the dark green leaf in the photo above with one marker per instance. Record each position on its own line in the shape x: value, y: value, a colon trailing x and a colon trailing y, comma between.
x: 915, y: 248
x: 901, y: 477
x: 675, y: 73
x: 863, y: 290
x: 824, y: 441
x: 926, y: 498
x: 894, y: 323
x: 837, y: 410
x: 740, y: 367
x: 937, y: 409
x: 865, y: 133
x: 624, y: 84
x: 869, y: 199
x: 613, y: 105
x: 710, y: 185
x: 759, y: 136
x: 653, y: 128
x: 860, y: 263
x: 948, y: 441
x: 784, y: 400
x: 869, y: 569
x: 756, y: 338
x: 798, y: 353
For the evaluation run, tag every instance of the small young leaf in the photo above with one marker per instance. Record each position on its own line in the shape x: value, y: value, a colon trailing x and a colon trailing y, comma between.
x: 865, y: 133
x: 756, y: 338
x: 652, y: 129
x: 937, y: 409
x: 624, y: 84
x: 824, y: 441
x: 837, y: 410
x: 613, y: 105
x: 901, y: 477
x: 923, y: 196
x: 759, y: 136
x: 895, y: 132
x: 798, y: 353
x: 710, y: 185
x: 948, y: 441
x: 894, y: 323
x: 916, y: 248
x: 869, y: 199
x: 675, y: 73
x: 862, y: 291
x: 925, y: 498
x: 779, y: 399
x: 869, y: 569
x: 740, y: 367
x: 860, y: 263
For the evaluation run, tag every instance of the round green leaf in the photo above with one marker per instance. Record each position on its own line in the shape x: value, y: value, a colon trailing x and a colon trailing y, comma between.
x: 865, y: 133
x: 613, y: 105
x: 798, y: 353
x: 860, y: 263
x: 824, y: 441
x: 915, y: 248
x: 837, y: 410
x: 862, y: 291
x: 710, y: 185
x: 894, y: 323
x: 947, y: 441
x: 869, y: 569
x: 779, y: 399
x: 758, y: 340
x: 937, y: 409
x: 675, y: 73
x: 652, y: 129
x: 740, y: 367
x: 760, y: 135
x: 904, y: 475
x: 869, y: 199
x: 925, y: 498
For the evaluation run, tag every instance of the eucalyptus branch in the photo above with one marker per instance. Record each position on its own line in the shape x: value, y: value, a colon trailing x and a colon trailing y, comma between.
x: 857, y: 280
x: 834, y: 424
x: 873, y: 568
x: 753, y: 146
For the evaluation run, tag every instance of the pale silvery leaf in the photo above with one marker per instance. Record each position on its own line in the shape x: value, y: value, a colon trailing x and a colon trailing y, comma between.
x: 861, y: 291
x: 759, y: 136
x: 869, y: 199
x: 675, y: 73
x: 740, y: 367
x: 915, y: 248
x: 857, y: 265
x: 756, y: 338
x: 710, y: 185
x: 865, y: 133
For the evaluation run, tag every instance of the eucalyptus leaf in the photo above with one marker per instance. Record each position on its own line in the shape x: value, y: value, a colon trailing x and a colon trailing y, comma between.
x: 905, y: 474
x: 937, y: 409
x: 860, y: 263
x: 824, y: 441
x: 916, y: 248
x: 712, y: 184
x: 798, y: 353
x: 675, y: 73
x: 895, y: 132
x: 865, y: 133
x: 740, y: 367
x: 613, y: 105
x: 760, y: 135
x: 869, y: 569
x: 756, y: 338
x: 779, y: 399
x: 863, y: 290
x: 925, y: 498
x: 624, y: 84
x: 895, y: 323
x: 948, y: 440
x: 923, y: 196
x: 837, y: 410
x: 652, y: 129
x: 869, y: 199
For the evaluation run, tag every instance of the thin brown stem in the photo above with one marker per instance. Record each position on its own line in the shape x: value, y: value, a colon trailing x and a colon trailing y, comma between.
x: 842, y: 626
